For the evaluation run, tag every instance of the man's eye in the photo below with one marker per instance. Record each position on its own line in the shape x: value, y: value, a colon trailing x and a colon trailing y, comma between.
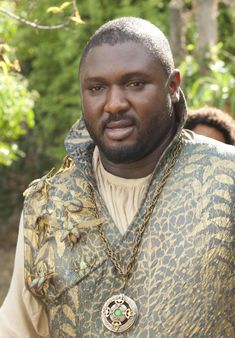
x: 95, y: 88
x: 136, y: 84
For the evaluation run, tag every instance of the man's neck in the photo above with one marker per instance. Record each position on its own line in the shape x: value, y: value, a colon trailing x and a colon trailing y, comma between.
x: 142, y: 167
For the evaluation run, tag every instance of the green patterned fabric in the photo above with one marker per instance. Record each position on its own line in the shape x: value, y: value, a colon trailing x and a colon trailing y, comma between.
x: 183, y: 280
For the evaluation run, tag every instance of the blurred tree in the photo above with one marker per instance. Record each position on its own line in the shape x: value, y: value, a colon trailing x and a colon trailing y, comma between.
x: 206, y: 12
x: 208, y: 68
x: 16, y: 102
x: 177, y: 30
x: 215, y: 88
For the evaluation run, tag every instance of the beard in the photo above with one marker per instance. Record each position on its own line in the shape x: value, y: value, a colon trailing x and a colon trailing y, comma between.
x: 146, y: 142
x: 123, y: 153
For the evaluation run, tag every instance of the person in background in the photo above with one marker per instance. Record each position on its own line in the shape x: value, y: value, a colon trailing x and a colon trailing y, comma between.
x: 212, y: 122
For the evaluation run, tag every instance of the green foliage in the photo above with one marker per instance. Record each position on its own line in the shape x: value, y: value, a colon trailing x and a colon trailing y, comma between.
x: 215, y: 88
x: 16, y: 102
x: 16, y: 113
x: 210, y: 80
x: 226, y: 24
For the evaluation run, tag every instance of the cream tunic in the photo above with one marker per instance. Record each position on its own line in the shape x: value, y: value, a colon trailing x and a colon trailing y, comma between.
x: 22, y: 315
x: 121, y: 196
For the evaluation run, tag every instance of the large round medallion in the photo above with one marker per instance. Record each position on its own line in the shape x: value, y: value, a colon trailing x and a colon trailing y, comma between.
x: 119, y: 313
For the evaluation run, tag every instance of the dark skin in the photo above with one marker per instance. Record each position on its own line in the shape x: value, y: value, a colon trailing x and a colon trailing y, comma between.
x: 128, y: 107
x: 209, y: 131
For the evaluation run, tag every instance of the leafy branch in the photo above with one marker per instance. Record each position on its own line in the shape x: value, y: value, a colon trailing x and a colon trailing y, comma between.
x: 33, y: 24
x: 54, y: 10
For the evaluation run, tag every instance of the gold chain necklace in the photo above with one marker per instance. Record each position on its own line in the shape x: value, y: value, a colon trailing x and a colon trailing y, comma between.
x: 120, y: 312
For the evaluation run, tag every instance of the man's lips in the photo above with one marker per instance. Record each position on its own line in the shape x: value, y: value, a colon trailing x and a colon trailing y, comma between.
x: 119, y: 130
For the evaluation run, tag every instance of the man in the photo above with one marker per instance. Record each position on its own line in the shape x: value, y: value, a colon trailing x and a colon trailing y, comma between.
x: 133, y: 235
x: 212, y: 122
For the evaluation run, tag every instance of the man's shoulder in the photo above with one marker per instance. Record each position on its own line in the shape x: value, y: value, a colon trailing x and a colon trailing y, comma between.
x: 209, y: 147
x: 52, y: 178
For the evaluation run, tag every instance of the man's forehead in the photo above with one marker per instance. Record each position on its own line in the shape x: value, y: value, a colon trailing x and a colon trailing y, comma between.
x: 130, y: 54
x: 120, y: 48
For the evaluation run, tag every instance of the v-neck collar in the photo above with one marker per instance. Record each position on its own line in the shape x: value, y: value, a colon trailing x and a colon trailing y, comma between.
x: 80, y: 148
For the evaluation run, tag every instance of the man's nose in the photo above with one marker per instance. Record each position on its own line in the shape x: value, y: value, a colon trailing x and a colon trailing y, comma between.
x: 116, y: 101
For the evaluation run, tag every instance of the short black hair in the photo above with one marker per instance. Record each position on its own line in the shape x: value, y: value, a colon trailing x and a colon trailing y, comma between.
x: 213, y: 117
x: 136, y: 30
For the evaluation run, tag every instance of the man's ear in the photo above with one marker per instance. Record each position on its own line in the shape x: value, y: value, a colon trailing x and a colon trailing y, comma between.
x: 174, y: 85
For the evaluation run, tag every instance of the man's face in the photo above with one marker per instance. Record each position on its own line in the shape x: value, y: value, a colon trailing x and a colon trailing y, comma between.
x: 126, y: 103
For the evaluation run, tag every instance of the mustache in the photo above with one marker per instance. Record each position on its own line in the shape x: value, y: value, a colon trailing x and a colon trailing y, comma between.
x: 117, y: 118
